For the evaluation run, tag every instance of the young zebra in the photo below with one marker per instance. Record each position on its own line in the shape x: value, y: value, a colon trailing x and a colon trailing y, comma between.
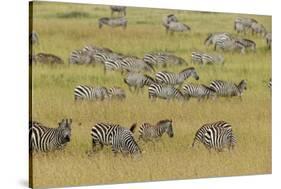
x: 121, y: 10
x: 116, y: 93
x: 44, y: 139
x: 138, y: 81
x: 113, y: 65
x: 45, y: 58
x: 169, y: 78
x: 150, y: 132
x: 230, y: 45
x: 84, y: 92
x: 214, y: 37
x: 166, y: 92
x: 228, y: 89
x: 270, y: 84
x: 120, y: 138
x: 215, y: 135
x: 204, y: 58
x: 113, y: 22
x: 198, y: 91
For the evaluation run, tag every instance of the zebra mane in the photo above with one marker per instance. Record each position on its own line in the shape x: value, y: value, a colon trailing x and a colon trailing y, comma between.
x: 186, y: 69
x: 163, y: 121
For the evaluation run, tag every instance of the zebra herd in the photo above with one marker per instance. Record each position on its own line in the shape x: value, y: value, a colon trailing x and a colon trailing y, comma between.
x: 217, y: 136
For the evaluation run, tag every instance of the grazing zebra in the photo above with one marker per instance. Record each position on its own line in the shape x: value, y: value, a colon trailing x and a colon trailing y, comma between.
x: 204, y: 58
x: 230, y: 45
x: 217, y: 135
x: 248, y: 44
x: 79, y: 57
x: 268, y: 38
x: 116, y: 93
x: 228, y: 89
x: 177, y: 27
x: 138, y: 81
x: 102, y: 57
x: 258, y: 28
x: 120, y: 138
x: 170, y: 78
x: 121, y: 10
x: 243, y: 24
x: 34, y: 38
x: 134, y: 64
x: 45, y: 58
x: 44, y: 139
x: 198, y: 91
x: 214, y: 37
x: 163, y: 58
x: 113, y: 22
x: 149, y: 132
x: 166, y: 92
x: 168, y: 19
x: 84, y: 92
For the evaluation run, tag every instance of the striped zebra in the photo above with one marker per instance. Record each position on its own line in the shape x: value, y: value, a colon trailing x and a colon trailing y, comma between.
x: 258, y: 28
x: 248, y: 44
x: 170, y: 78
x: 33, y: 38
x: 84, y: 92
x: 228, y: 89
x: 214, y: 37
x: 168, y: 19
x: 230, y: 45
x: 121, y: 10
x: 113, y: 22
x: 243, y: 24
x: 204, y: 58
x: 120, y: 138
x: 149, y: 132
x: 134, y: 64
x: 116, y: 93
x: 46, y: 58
x: 103, y: 56
x: 79, y: 57
x: 268, y: 38
x: 216, y: 135
x: 198, y: 91
x: 163, y: 59
x: 44, y: 139
x: 166, y: 92
x: 177, y: 27
x: 138, y: 81
x: 270, y: 83
x: 113, y: 65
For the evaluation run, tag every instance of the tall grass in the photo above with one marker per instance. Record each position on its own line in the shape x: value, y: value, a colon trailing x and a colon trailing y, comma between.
x: 171, y: 158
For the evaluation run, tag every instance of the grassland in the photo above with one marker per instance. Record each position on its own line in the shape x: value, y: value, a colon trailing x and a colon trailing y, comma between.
x: 52, y: 99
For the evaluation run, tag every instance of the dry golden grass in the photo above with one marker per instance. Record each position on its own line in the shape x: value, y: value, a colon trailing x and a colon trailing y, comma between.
x: 170, y: 158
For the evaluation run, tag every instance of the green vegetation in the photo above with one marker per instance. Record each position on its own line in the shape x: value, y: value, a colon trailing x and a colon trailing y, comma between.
x: 171, y: 158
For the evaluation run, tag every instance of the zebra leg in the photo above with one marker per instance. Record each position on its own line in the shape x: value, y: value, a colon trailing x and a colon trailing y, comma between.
x: 94, y: 145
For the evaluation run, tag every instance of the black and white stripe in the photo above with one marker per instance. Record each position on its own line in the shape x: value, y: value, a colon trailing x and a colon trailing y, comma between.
x: 79, y: 57
x: 138, y: 81
x: 228, y: 89
x: 44, y: 139
x: 166, y: 92
x: 216, y: 135
x: 231, y: 45
x: 214, y: 37
x: 169, y: 78
x: 204, y: 58
x: 121, y: 139
x: 151, y: 132
x: 198, y: 91
x: 84, y: 92
x: 116, y: 93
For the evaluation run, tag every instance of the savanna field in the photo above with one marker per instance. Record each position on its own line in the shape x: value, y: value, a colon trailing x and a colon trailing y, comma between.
x: 60, y: 32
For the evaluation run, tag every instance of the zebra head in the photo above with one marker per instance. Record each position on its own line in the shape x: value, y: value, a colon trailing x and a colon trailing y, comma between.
x: 242, y: 86
x: 189, y: 72
x: 65, y: 130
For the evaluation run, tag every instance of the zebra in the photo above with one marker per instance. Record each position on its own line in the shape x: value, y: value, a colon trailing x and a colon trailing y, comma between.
x: 120, y: 138
x: 228, y: 89
x: 177, y: 27
x: 270, y: 83
x: 113, y: 65
x: 204, y: 58
x: 79, y: 57
x: 166, y: 92
x: 163, y: 59
x: 84, y: 92
x: 33, y: 38
x: 113, y: 22
x: 44, y: 139
x: 258, y: 28
x: 170, y: 78
x: 198, y: 91
x: 119, y: 9
x: 138, y: 81
x: 248, y: 44
x: 131, y: 63
x: 243, y: 24
x: 217, y: 135
x: 214, y: 37
x: 167, y: 19
x: 150, y: 132
x: 116, y: 93
x: 45, y: 58
x: 268, y: 38
x: 230, y: 45
x: 240, y: 27
x: 102, y: 57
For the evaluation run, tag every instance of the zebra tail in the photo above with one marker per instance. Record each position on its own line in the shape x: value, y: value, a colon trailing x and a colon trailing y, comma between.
x: 133, y: 127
